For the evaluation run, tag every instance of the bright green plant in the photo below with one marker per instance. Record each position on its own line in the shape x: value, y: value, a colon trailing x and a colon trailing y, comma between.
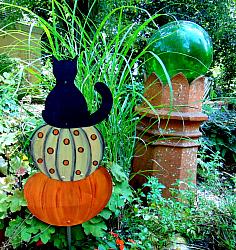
x: 206, y: 216
x: 216, y: 17
x: 99, y: 59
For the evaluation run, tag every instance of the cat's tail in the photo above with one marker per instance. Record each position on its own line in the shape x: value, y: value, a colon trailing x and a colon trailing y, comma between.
x: 106, y: 105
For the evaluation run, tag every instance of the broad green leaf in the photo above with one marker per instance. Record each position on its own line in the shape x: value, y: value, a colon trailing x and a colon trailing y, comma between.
x: 45, y: 236
x: 96, y: 220
x: 124, y: 189
x: 25, y: 235
x: 106, y: 213
x: 16, y: 201
x: 97, y: 230
x: 118, y: 172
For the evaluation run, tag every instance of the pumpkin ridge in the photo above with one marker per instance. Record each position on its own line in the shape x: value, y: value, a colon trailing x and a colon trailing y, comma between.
x: 91, y: 200
x: 105, y: 174
x: 89, y: 160
x: 68, y: 203
x: 56, y: 158
x: 43, y: 193
x: 73, y: 156
x: 44, y: 150
x: 102, y: 142
x: 32, y: 145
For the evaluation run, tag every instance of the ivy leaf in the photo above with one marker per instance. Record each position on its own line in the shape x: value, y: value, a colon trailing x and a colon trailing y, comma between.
x: 13, y: 231
x: 118, y: 173
x: 13, y: 226
x: 33, y: 230
x: 106, y: 213
x: 97, y: 230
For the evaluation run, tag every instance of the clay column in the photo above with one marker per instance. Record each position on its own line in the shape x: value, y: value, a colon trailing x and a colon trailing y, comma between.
x: 169, y: 133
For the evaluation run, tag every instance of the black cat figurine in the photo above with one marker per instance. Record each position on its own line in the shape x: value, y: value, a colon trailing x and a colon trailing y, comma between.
x: 66, y: 107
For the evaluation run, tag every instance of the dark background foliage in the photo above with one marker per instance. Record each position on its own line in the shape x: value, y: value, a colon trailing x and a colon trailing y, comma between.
x: 216, y: 17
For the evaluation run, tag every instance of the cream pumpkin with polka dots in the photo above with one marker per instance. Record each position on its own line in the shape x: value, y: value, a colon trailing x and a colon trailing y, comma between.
x: 67, y: 154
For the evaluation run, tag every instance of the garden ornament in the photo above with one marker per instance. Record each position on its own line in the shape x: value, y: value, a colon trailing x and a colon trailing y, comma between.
x: 179, y: 53
x: 72, y: 186
x: 179, y: 46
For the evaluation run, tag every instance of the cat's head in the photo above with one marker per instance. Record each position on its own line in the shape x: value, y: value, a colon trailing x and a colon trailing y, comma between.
x: 64, y: 70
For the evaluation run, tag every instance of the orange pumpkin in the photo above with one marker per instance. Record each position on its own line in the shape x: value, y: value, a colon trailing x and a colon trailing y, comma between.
x: 68, y: 203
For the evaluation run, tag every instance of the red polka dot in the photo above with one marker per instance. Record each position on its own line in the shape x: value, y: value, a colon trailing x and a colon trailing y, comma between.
x: 95, y: 163
x: 50, y: 150
x: 66, y: 162
x: 93, y: 137
x: 76, y: 132
x: 78, y: 172
x: 51, y: 171
x: 66, y: 141
x: 81, y: 149
x: 55, y: 131
x: 40, y: 134
x: 40, y: 160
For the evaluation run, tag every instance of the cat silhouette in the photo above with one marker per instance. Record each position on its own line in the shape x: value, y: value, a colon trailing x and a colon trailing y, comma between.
x: 66, y: 107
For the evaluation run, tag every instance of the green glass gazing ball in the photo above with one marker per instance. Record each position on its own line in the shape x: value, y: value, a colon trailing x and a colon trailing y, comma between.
x: 181, y: 46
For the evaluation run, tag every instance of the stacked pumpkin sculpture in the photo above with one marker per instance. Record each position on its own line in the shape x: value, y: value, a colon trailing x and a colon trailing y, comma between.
x: 71, y: 188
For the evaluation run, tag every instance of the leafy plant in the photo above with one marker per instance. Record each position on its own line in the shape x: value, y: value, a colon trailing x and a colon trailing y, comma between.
x: 206, y: 216
x: 219, y: 134
x: 119, y: 130
x: 216, y: 17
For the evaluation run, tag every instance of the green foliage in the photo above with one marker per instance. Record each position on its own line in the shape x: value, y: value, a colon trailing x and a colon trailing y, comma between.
x: 216, y: 17
x: 206, y: 216
x: 6, y: 63
x: 112, y: 60
x: 11, y: 15
x: 219, y: 133
x: 25, y: 230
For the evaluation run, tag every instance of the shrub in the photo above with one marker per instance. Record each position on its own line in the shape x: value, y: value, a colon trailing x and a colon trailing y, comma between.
x: 219, y: 134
